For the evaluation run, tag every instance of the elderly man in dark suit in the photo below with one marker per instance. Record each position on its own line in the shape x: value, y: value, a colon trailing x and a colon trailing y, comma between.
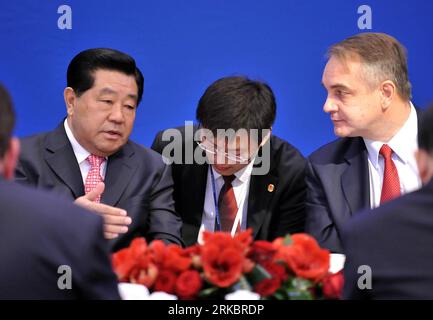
x: 89, y: 157
x: 394, y: 241
x: 233, y: 174
x: 373, y: 160
x: 49, y: 248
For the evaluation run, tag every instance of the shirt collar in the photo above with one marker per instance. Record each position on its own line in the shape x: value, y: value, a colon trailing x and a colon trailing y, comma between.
x: 403, y: 143
x: 242, y: 175
x: 80, y: 153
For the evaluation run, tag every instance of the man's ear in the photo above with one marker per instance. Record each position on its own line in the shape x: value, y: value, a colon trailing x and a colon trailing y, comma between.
x: 70, y: 100
x: 387, y: 91
x: 11, y: 158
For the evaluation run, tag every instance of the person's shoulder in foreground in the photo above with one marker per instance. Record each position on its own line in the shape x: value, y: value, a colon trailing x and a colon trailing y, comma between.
x: 50, y: 249
x: 388, y: 248
x: 388, y: 252
x: 44, y: 241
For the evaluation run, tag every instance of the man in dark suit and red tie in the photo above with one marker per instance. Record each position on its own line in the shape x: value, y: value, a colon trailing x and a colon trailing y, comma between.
x: 373, y: 161
x: 49, y: 248
x: 394, y: 241
x: 90, y: 159
x: 254, y: 180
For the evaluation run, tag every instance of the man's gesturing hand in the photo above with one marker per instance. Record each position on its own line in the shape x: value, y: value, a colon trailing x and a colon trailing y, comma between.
x: 116, y: 220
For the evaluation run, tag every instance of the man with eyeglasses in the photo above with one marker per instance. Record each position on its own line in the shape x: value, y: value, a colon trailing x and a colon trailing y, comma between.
x: 232, y: 173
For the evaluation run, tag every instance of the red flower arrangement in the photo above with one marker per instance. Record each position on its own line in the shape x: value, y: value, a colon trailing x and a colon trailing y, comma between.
x: 294, y: 267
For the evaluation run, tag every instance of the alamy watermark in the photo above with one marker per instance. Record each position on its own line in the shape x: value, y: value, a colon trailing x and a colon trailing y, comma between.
x: 65, y: 19
x: 365, y: 21
x: 64, y: 282
x: 365, y: 280
x: 200, y: 145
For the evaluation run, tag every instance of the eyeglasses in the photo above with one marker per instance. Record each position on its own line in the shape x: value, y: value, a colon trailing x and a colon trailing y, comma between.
x: 211, y: 149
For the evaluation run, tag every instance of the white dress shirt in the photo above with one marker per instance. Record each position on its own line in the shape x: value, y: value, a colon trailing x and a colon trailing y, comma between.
x: 241, y: 186
x: 81, y: 154
x: 404, y: 144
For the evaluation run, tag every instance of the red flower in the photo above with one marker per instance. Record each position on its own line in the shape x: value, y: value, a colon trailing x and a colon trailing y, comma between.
x: 222, y: 267
x: 122, y: 266
x: 240, y: 242
x: 333, y: 285
x: 305, y: 258
x: 278, y: 243
x: 276, y: 270
x: 192, y: 251
x: 145, y: 275
x: 188, y: 284
x: 126, y: 260
x: 223, y: 257
x: 166, y: 282
x: 175, y: 259
x: 172, y: 257
x: 248, y: 265
x: 267, y: 287
x: 222, y: 260
x: 262, y: 251
x: 245, y: 238
x: 157, y: 251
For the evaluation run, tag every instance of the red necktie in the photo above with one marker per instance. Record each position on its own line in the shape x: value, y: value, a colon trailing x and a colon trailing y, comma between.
x: 94, y: 175
x: 227, y: 205
x: 391, y: 181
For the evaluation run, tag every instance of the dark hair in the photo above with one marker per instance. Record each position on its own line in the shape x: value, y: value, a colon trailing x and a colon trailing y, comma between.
x: 80, y: 75
x: 7, y: 120
x: 425, y: 131
x: 237, y: 103
x: 384, y: 56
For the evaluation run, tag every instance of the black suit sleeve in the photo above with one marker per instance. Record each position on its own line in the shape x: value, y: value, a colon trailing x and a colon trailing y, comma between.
x: 319, y: 222
x: 164, y: 222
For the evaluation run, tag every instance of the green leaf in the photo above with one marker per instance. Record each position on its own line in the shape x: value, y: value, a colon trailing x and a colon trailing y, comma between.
x: 258, y: 274
x: 280, y: 295
x: 287, y: 241
x: 208, y: 292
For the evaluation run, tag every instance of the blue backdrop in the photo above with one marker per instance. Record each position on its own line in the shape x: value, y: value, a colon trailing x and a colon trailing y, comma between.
x: 183, y: 46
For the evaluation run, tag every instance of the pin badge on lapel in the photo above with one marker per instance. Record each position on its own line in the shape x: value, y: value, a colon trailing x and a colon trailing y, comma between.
x: 271, y: 187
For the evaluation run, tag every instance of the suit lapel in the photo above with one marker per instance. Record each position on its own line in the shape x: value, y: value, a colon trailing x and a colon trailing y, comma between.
x: 259, y: 195
x: 61, y: 159
x: 120, y: 170
x: 355, y: 179
x: 258, y: 200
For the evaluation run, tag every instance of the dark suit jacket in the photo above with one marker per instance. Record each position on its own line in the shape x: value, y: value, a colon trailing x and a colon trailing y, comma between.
x: 39, y: 233
x: 337, y: 188
x: 136, y: 180
x: 396, y: 241
x: 270, y: 214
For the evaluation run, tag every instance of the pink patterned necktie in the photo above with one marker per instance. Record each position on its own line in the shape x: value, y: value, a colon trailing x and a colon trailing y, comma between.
x: 94, y: 175
x: 391, y: 181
